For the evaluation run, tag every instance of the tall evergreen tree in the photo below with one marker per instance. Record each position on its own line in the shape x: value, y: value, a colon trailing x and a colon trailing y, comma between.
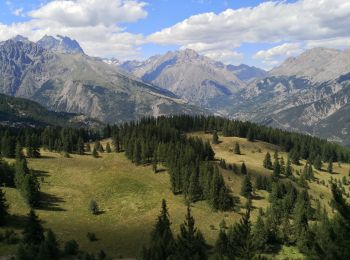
x: 244, y: 169
x: 108, y: 148
x: 162, y: 241
x: 267, y: 161
x: 190, y: 242
x: 330, y: 166
x: 247, y: 187
x: 3, y: 207
x: 33, y: 233
x: 80, y: 146
x: 215, y: 138
x: 237, y: 149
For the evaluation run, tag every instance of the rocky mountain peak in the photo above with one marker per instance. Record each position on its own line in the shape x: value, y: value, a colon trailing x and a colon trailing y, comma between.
x: 61, y: 44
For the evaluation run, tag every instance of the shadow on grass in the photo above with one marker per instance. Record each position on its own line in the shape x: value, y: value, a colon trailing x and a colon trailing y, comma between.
x: 16, y: 221
x: 50, y: 202
x: 39, y: 173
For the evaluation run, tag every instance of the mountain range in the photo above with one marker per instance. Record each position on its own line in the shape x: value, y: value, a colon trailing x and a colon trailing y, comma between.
x: 309, y: 93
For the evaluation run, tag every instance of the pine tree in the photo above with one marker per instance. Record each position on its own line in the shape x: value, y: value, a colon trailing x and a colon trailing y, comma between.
x: 108, y: 148
x: 237, y: 149
x: 289, y: 169
x: 137, y: 153
x: 116, y: 143
x: 267, y: 161
x: 240, y: 237
x: 221, y: 244
x: 246, y: 188
x: 3, y: 207
x: 93, y: 207
x: 276, y: 169
x: 244, y: 169
x: 33, y: 233
x: 190, y: 242
x: 49, y: 249
x: 88, y: 147
x: 162, y: 241
x: 318, y: 163
x: 330, y: 166
x: 215, y: 138
x: 80, y: 146
x: 260, y: 234
x: 94, y: 153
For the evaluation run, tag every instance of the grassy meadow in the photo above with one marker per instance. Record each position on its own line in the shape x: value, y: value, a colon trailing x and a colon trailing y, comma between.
x: 129, y: 198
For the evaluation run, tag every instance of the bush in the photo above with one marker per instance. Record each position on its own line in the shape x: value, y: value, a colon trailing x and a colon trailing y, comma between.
x: 71, y: 247
x: 93, y: 207
x: 91, y: 236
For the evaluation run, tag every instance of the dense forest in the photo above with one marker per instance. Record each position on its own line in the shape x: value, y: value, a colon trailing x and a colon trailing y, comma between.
x: 290, y: 219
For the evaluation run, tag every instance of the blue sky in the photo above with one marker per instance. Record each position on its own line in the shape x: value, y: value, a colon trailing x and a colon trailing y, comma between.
x: 260, y: 33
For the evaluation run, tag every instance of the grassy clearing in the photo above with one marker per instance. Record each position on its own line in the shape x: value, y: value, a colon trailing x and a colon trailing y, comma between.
x: 129, y: 198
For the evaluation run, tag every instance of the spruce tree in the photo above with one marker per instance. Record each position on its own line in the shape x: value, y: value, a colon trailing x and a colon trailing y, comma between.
x: 3, y: 207
x: 240, y: 237
x: 289, y: 169
x: 162, y: 241
x: 318, y: 163
x: 267, y: 161
x: 215, y: 138
x: 94, y: 153
x: 33, y: 233
x: 88, y: 147
x: 246, y: 188
x: 244, y: 169
x: 137, y: 153
x: 276, y: 169
x: 190, y: 242
x: 260, y: 234
x: 237, y: 149
x: 330, y: 167
x: 108, y: 148
x: 80, y: 146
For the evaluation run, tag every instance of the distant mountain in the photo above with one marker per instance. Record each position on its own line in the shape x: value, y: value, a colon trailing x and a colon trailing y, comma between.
x: 77, y: 83
x: 61, y: 44
x: 193, y: 77
x: 20, y: 112
x: 317, y: 64
x: 309, y: 93
x: 247, y: 73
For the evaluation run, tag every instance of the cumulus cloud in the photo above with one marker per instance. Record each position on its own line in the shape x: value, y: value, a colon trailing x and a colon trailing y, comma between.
x: 94, y: 23
x: 280, y: 51
x: 269, y: 22
x: 18, y: 12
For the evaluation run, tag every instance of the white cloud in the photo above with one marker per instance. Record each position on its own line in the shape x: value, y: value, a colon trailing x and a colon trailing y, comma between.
x: 95, y: 24
x: 18, y: 12
x: 91, y: 12
x: 269, y: 22
x: 283, y: 50
x: 226, y: 56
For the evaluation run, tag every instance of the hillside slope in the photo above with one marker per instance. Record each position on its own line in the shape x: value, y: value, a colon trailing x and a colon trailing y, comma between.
x: 80, y: 84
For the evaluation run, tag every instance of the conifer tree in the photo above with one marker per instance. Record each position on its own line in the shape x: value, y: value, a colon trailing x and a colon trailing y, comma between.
x: 267, y: 161
x: 237, y: 149
x: 80, y: 146
x: 240, y: 237
x: 215, y: 138
x: 276, y: 169
x: 137, y: 153
x: 260, y: 234
x: 49, y: 248
x: 318, y: 163
x: 3, y: 207
x: 330, y: 166
x: 162, y: 241
x: 108, y: 148
x: 88, y: 147
x: 221, y: 244
x: 33, y: 233
x: 250, y: 135
x: 246, y: 188
x: 94, y: 153
x: 244, y: 169
x: 289, y: 169
x: 190, y: 242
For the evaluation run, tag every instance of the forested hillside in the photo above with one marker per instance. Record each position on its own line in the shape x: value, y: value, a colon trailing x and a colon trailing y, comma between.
x: 226, y: 189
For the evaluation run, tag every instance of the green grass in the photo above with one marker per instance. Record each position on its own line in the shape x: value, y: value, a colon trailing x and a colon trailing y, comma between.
x: 129, y: 197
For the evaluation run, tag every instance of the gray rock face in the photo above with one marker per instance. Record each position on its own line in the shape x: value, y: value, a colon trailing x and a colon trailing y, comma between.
x: 196, y: 78
x: 81, y: 84
x: 309, y: 93
x: 61, y: 44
